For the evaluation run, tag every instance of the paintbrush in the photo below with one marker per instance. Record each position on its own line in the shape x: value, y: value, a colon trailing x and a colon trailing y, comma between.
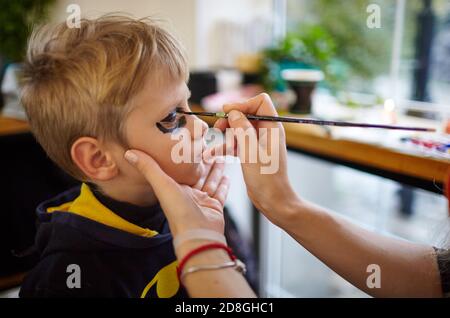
x: 309, y: 121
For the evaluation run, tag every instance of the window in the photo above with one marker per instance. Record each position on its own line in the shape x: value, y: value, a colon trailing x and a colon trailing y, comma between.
x: 406, y: 58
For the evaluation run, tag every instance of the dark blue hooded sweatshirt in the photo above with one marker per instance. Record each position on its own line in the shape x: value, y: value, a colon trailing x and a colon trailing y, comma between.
x: 86, y: 250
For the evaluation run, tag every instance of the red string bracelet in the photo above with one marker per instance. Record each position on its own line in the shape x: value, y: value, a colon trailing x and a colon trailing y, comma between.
x: 200, y: 249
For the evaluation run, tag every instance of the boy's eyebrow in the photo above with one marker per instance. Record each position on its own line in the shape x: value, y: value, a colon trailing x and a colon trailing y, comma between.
x: 188, y: 95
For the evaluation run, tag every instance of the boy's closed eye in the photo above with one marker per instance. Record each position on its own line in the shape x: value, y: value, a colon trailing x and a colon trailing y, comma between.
x: 172, y: 121
x: 172, y: 115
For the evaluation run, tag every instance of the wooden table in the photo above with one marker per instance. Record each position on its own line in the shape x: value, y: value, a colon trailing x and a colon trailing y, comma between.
x: 10, y: 126
x: 424, y: 172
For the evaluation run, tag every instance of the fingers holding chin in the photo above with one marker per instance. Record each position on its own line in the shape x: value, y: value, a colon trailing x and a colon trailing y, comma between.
x: 223, y: 188
x: 213, y: 180
x: 201, y: 182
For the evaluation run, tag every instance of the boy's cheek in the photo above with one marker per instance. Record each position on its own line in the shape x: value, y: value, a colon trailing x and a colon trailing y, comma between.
x: 183, y: 173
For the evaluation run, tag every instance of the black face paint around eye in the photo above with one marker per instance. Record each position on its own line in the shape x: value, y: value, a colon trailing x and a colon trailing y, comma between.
x: 170, y: 125
x: 169, y: 118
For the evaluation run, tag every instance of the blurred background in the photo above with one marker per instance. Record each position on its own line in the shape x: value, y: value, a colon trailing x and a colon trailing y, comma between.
x: 378, y: 61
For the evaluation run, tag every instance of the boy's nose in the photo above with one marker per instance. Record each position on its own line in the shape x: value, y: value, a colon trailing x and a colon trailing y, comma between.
x: 198, y: 128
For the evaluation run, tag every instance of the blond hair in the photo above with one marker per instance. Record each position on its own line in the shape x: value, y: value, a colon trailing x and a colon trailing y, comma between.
x: 79, y: 81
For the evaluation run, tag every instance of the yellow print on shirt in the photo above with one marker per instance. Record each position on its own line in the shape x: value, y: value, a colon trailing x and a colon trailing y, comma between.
x: 166, y: 281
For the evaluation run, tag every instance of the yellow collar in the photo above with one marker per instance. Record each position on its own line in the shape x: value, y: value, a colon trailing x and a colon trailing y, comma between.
x: 87, y: 205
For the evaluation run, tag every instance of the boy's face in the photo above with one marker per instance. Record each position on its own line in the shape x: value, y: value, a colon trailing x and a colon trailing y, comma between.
x: 151, y: 124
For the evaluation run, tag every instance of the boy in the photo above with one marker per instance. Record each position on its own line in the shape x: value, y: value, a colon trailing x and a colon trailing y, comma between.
x: 90, y: 94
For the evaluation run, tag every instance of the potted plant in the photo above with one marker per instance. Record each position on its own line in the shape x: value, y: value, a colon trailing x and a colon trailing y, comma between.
x: 16, y: 21
x: 301, y: 59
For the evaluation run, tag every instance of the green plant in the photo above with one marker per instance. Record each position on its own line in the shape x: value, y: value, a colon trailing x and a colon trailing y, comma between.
x: 366, y: 50
x: 310, y: 46
x: 17, y: 18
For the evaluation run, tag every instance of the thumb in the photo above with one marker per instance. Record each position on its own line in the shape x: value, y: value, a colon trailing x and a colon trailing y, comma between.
x: 236, y: 119
x: 162, y: 184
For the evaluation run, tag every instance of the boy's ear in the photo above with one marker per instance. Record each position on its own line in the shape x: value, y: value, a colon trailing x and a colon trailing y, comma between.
x: 93, y: 159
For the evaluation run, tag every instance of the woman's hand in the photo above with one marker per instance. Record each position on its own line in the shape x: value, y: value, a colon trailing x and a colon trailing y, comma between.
x: 267, y: 189
x: 190, y: 208
x: 186, y: 208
